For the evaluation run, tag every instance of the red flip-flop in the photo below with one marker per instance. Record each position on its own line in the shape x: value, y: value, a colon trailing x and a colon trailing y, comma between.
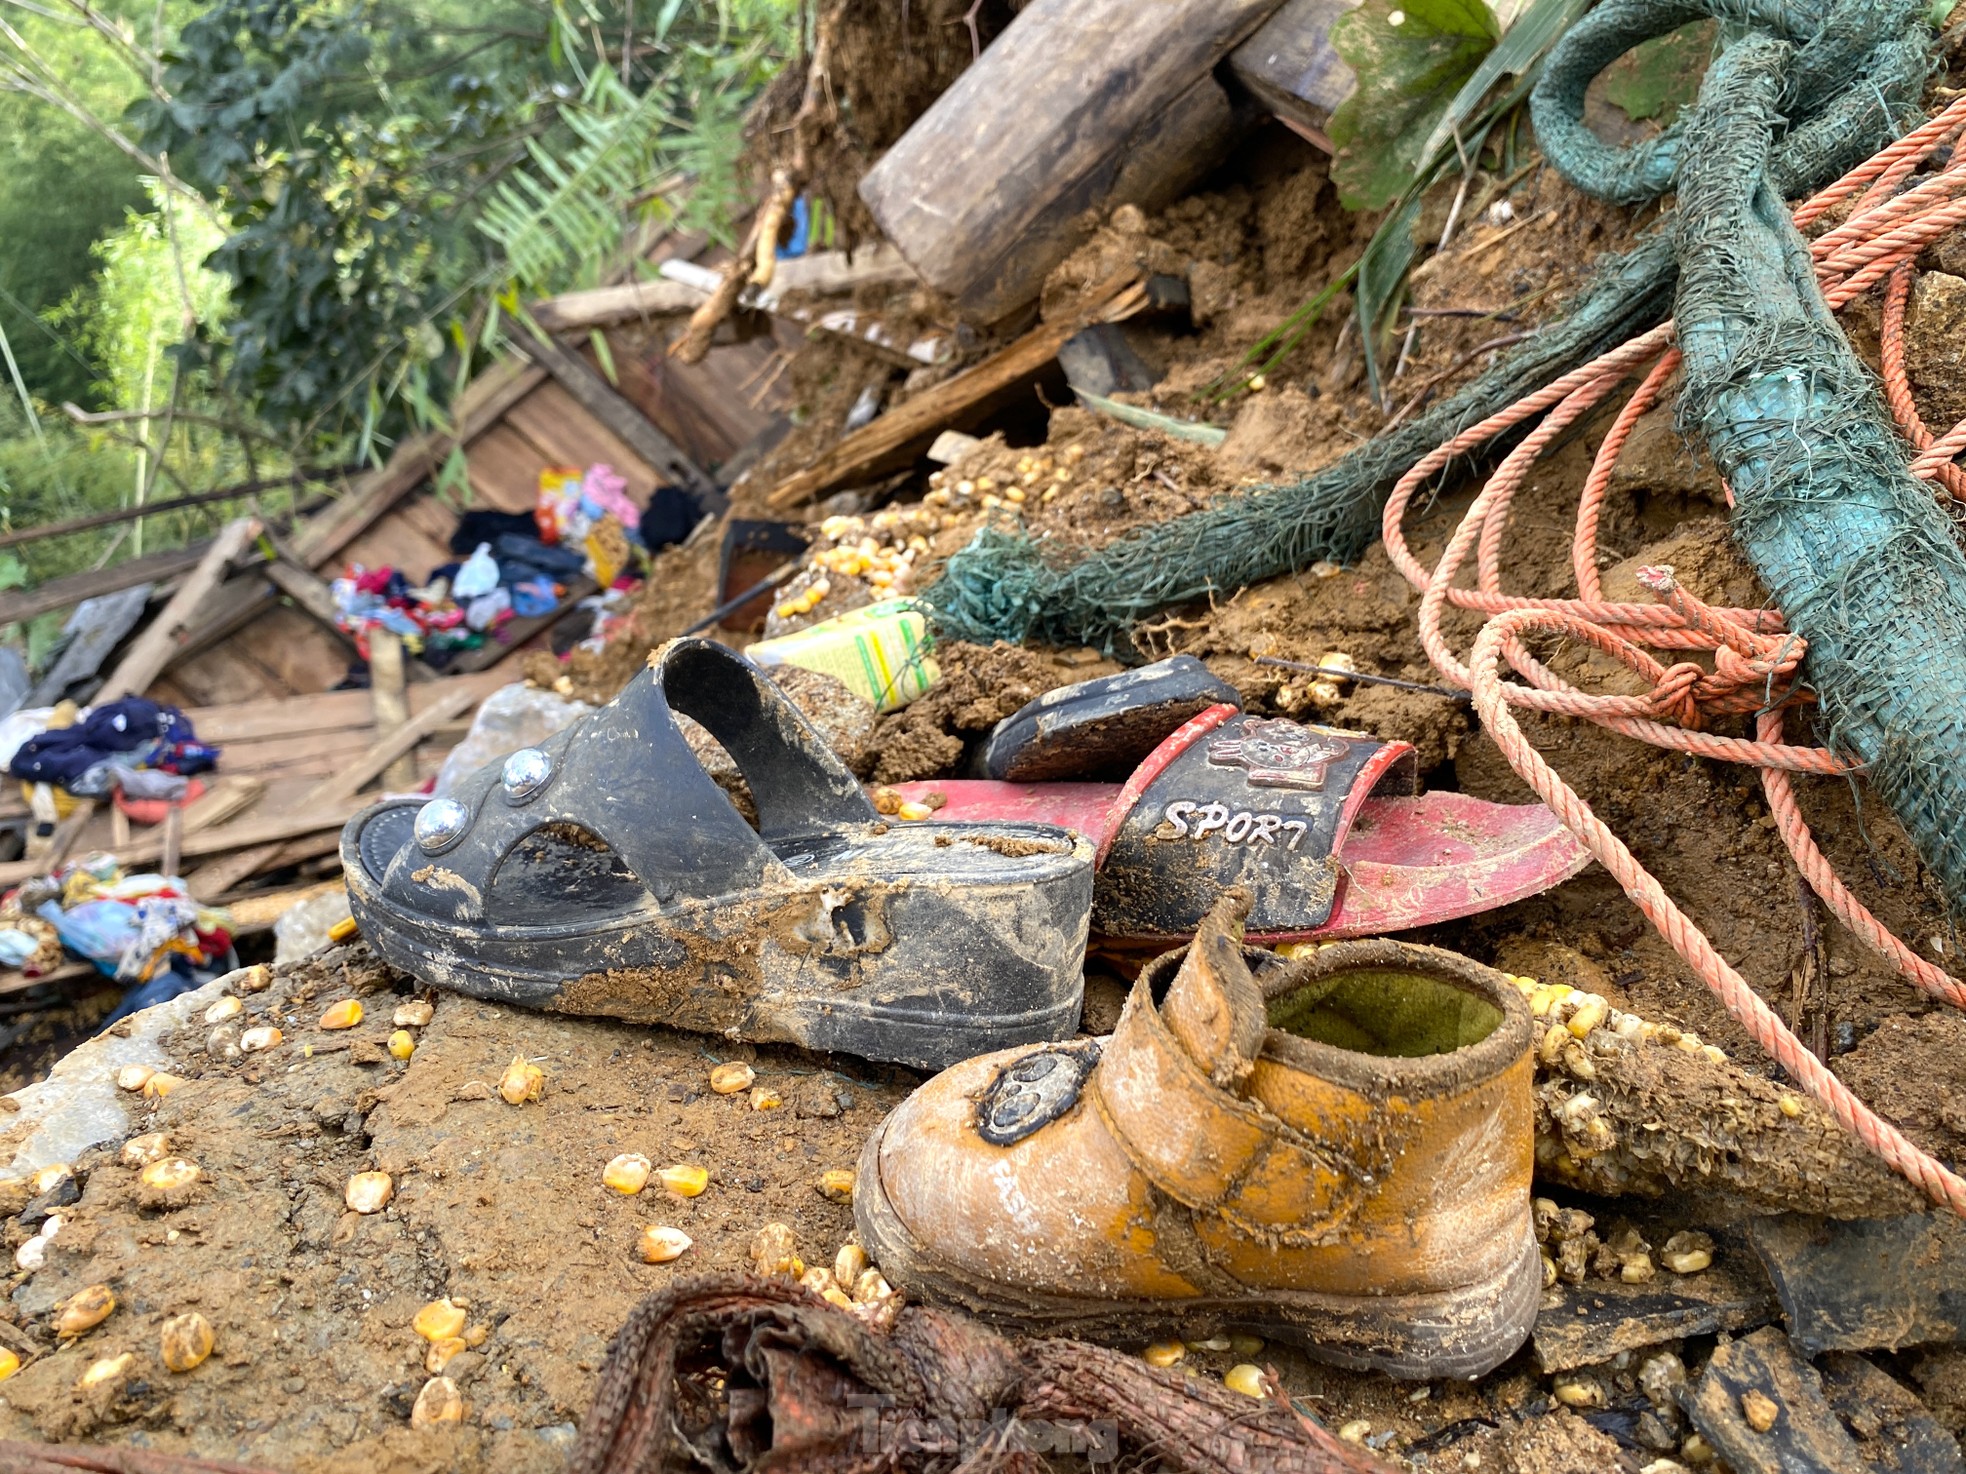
x: 1325, y: 828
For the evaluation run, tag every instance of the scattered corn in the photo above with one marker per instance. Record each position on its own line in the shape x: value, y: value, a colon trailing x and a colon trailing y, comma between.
x: 1355, y: 1431
x: 226, y: 1007
x: 413, y: 1015
x: 764, y: 1098
x: 184, y: 1341
x: 683, y: 1180
x: 402, y: 1044
x: 836, y: 1186
x: 438, y: 1402
x: 1244, y: 1378
x: 1163, y: 1353
x: 1589, y: 1013
x: 1759, y: 1409
x: 84, y: 1311
x: 169, y: 1175
x: 1246, y: 1346
x: 731, y: 1077
x: 849, y: 1264
x: 343, y: 1015
x: 9, y: 1363
x: 912, y: 809
x: 109, y: 1369
x: 31, y: 1255
x: 440, y: 1353
x: 133, y: 1077
x: 265, y: 1037
x: 369, y: 1192
x: 439, y: 1320
x: 255, y: 979
x: 660, y: 1244
x: 160, y: 1085
x: 627, y: 1174
x: 521, y: 1082
x: 342, y: 930
x: 1791, y: 1105
x: 141, y: 1151
x: 871, y: 1287
x: 1696, y: 1450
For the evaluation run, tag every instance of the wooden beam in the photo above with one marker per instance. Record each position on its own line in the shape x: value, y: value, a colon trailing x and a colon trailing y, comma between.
x: 1291, y: 67
x: 824, y: 273
x: 606, y: 307
x: 15, y: 537
x: 600, y: 399
x: 362, y: 770
x: 258, y: 913
x: 389, y: 693
x: 152, y: 650
x: 65, y: 593
x: 919, y: 420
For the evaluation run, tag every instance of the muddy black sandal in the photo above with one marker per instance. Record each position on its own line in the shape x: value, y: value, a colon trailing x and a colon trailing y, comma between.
x: 604, y: 872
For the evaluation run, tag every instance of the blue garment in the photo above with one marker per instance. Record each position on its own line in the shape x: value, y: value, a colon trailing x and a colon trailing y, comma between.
x: 114, y: 727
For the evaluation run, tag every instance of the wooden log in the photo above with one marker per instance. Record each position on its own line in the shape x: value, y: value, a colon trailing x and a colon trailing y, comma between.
x: 824, y: 273
x: 1290, y: 66
x: 1065, y: 112
x: 152, y: 651
x: 64, y: 593
x: 604, y: 403
x: 225, y: 800
x: 915, y: 424
x: 606, y: 307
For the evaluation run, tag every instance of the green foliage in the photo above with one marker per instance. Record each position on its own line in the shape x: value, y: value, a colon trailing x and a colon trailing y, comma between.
x: 1411, y: 58
x: 1659, y: 77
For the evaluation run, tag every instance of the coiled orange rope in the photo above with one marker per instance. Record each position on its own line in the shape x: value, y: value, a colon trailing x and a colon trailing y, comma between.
x: 1754, y: 658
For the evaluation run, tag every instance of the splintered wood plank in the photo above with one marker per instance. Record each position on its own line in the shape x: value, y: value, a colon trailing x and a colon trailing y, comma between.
x: 146, y: 658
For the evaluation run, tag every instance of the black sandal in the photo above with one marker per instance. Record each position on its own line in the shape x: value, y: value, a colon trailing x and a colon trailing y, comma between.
x: 604, y: 872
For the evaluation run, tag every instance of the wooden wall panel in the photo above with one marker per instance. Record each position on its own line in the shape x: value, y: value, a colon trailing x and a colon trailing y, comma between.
x: 505, y: 469
x: 552, y: 420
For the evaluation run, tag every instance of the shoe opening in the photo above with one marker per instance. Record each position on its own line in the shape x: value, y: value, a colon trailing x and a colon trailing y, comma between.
x: 1386, y: 1011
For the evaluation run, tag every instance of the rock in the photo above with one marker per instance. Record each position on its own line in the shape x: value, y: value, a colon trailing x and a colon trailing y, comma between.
x: 1873, y: 1284
x: 1762, y: 1408
x: 302, y: 929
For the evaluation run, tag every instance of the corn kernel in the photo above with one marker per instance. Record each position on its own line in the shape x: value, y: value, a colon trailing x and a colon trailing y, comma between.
x: 1246, y: 1346
x: 253, y: 1041
x: 731, y: 1077
x: 109, y: 1369
x: 1163, y: 1353
x: 133, y: 1077
x: 438, y: 1402
x: 477, y: 1335
x: 659, y: 1244
x: 1687, y: 1253
x: 343, y: 1015
x: 774, y: 1250
x: 440, y: 1353
x: 255, y: 979
x: 1355, y: 1431
x: 683, y: 1180
x: 439, y: 1320
x: 872, y: 1288
x: 627, y: 1174
x: 912, y: 809
x: 1791, y: 1105
x: 836, y: 1186
x: 369, y: 1192
x: 342, y: 930
x: 184, y: 1341
x: 1590, y: 1013
x: 1245, y: 1378
x: 141, y: 1151
x: 522, y: 1081
x: 849, y: 1264
x: 84, y: 1311
x: 169, y: 1175
x: 226, y: 1007
x: 402, y: 1044
x: 9, y: 1363
x: 160, y: 1085
x: 1257, y: 383
x: 764, y: 1098
x: 414, y: 1014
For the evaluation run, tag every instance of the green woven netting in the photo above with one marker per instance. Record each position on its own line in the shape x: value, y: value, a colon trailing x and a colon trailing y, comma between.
x: 1850, y: 85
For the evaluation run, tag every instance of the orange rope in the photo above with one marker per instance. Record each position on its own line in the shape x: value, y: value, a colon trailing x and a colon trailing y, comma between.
x: 1754, y: 659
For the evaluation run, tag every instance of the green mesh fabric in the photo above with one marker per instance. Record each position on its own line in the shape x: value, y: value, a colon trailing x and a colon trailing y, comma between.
x: 1854, y: 549
x: 1850, y: 85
